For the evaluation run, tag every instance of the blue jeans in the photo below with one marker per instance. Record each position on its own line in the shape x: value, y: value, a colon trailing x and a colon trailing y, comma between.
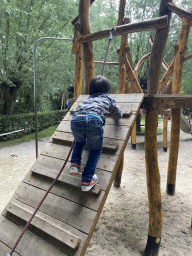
x: 87, y: 128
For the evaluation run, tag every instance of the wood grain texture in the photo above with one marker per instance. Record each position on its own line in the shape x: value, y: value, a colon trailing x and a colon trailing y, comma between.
x: 43, y: 222
x: 31, y: 243
x: 156, y: 23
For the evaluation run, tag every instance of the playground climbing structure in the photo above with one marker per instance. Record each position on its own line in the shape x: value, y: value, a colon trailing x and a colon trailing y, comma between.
x: 67, y: 218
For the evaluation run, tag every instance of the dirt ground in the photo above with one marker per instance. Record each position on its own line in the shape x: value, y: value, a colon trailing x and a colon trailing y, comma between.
x: 123, y: 225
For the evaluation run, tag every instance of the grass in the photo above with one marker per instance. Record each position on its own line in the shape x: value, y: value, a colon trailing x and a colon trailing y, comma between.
x: 142, y: 132
x: 42, y: 134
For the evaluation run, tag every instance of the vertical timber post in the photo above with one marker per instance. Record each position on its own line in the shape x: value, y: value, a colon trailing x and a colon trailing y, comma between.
x: 122, y: 78
x: 165, y: 124
x: 152, y: 169
x: 77, y: 50
x: 134, y: 129
x: 88, y: 54
x: 176, y: 113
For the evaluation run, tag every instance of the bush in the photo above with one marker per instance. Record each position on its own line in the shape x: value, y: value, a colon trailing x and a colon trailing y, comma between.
x: 9, y: 123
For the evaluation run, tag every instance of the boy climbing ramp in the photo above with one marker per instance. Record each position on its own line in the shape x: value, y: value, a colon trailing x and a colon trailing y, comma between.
x: 87, y: 126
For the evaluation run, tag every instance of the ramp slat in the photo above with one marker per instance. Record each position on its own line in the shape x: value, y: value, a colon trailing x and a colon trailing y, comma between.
x: 60, y: 151
x: 66, y: 179
x: 29, y: 245
x: 71, y: 213
x: 108, y: 144
x: 48, y: 160
x: 110, y: 131
x: 66, y: 191
x: 5, y: 249
x: 43, y: 222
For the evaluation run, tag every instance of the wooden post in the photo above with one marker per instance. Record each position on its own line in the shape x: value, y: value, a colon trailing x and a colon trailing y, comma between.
x: 165, y: 124
x: 78, y: 72
x: 77, y: 50
x: 122, y: 77
x: 134, y: 129
x: 88, y: 54
x: 134, y: 136
x: 152, y: 169
x: 175, y: 124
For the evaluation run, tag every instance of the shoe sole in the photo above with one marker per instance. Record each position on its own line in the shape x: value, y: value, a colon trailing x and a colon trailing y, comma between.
x: 88, y: 188
x: 75, y: 173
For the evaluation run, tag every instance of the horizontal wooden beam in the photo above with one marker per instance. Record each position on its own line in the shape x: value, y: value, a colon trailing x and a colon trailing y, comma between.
x: 156, y: 23
x: 179, y: 11
x: 188, y: 57
x: 167, y: 101
x: 106, y: 63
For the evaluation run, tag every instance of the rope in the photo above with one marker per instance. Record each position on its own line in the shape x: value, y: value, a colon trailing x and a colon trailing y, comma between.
x: 112, y: 32
x: 62, y: 168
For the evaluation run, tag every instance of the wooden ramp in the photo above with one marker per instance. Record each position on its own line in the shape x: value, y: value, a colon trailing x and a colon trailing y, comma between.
x: 67, y: 218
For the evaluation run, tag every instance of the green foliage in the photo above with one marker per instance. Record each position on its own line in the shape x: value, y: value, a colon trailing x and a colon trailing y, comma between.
x: 26, y: 121
x: 22, y: 24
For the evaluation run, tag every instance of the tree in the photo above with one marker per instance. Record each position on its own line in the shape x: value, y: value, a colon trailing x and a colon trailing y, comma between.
x: 23, y: 23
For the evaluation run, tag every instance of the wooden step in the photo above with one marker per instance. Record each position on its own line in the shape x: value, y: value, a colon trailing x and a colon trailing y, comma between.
x: 66, y: 179
x: 44, y: 223
x: 67, y: 138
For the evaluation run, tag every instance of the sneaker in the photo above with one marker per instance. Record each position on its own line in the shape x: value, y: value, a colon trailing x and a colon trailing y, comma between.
x: 86, y: 186
x: 75, y: 169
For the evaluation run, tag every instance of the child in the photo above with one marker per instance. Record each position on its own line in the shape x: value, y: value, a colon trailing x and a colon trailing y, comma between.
x: 86, y: 126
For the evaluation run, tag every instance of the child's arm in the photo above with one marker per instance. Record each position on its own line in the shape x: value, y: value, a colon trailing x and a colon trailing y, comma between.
x: 115, y: 111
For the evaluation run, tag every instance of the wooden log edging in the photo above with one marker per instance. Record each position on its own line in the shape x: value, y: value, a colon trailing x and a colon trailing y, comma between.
x: 156, y: 23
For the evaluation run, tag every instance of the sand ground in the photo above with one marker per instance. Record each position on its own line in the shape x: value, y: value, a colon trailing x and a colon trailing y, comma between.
x: 123, y: 225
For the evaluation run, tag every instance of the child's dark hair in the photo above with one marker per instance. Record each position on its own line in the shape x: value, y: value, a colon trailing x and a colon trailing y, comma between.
x: 99, y: 84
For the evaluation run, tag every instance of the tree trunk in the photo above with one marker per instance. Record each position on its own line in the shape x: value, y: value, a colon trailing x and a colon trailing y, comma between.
x: 9, y: 97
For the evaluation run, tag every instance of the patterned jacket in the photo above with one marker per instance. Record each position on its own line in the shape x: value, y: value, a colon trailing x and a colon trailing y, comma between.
x: 99, y: 104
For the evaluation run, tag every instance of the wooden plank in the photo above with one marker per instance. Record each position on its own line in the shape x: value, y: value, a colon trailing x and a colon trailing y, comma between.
x: 167, y: 101
x: 120, y: 98
x: 29, y: 244
x: 109, y: 144
x: 59, y: 208
x: 91, y: 201
x: 4, y: 249
x: 60, y: 150
x: 66, y: 179
x: 110, y: 131
x: 44, y: 223
x: 56, y: 163
x: 67, y: 138
x: 103, y: 175
x: 156, y: 23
